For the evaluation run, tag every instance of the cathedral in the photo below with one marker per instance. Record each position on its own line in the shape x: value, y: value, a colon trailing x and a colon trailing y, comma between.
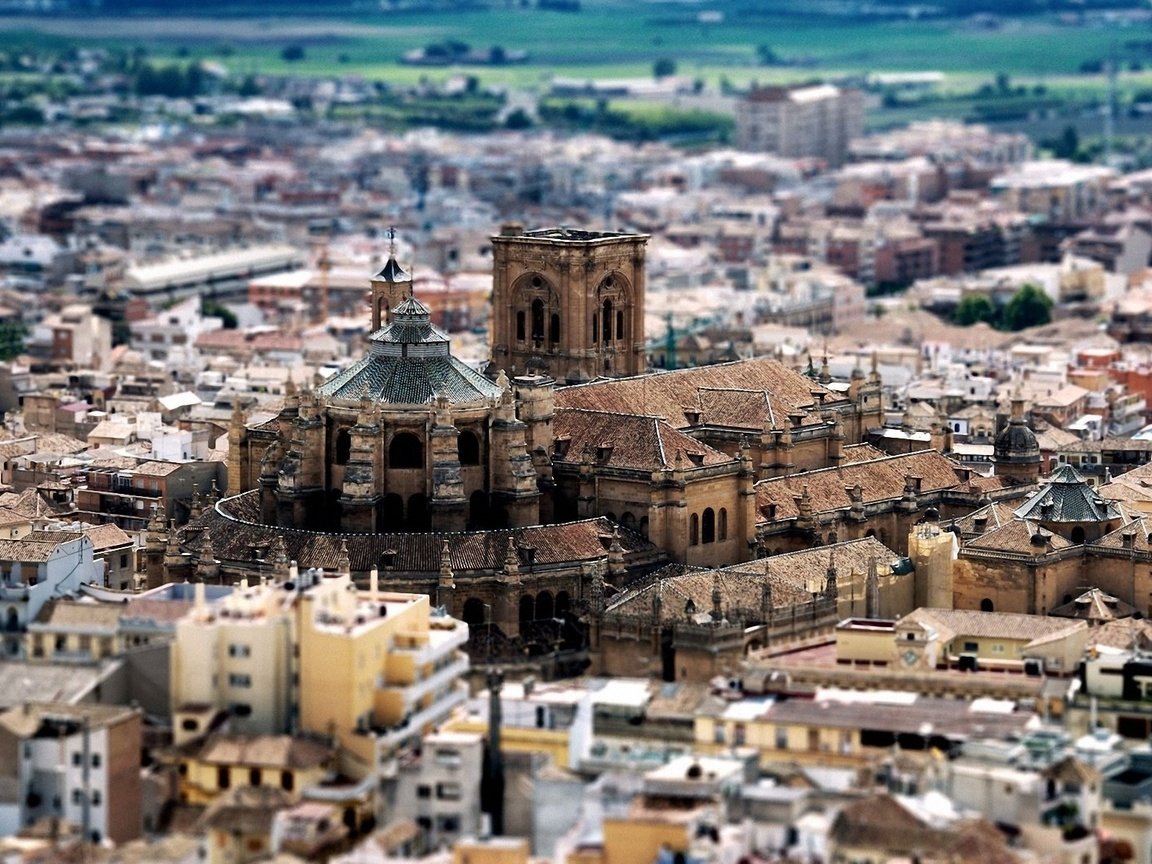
x: 523, y: 499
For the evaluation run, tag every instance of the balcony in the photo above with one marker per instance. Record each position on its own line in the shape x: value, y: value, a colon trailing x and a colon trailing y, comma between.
x: 413, y: 693
x: 391, y: 738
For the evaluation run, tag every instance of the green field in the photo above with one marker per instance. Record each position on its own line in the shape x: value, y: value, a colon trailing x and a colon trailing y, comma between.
x: 607, y: 38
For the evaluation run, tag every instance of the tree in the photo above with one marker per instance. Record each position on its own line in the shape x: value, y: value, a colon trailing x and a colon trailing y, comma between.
x: 12, y: 335
x: 213, y: 309
x: 664, y: 67
x: 1067, y: 145
x: 518, y: 118
x: 1029, y: 307
x: 974, y: 308
x: 293, y: 53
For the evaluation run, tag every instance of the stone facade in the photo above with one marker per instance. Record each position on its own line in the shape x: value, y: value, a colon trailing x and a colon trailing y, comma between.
x: 567, y: 303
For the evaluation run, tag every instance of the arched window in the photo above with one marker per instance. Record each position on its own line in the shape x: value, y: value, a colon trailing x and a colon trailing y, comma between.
x: 343, y: 446
x: 391, y: 514
x: 693, y: 530
x: 628, y: 520
x: 405, y: 451
x: 544, y: 606
x: 419, y: 514
x: 473, y: 614
x: 1077, y: 535
x: 644, y: 526
x: 468, y: 448
x: 527, y: 609
x: 563, y: 604
x: 537, y: 320
x: 722, y: 525
x: 520, y: 322
x: 607, y: 326
x: 986, y: 605
x: 619, y: 324
x: 708, y: 529
x: 478, y: 510
x: 554, y: 329
x: 595, y: 328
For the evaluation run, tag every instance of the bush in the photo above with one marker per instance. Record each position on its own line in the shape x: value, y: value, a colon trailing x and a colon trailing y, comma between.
x: 293, y: 53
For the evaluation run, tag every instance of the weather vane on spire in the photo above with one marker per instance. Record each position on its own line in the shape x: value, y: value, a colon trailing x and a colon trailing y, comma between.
x: 392, y: 241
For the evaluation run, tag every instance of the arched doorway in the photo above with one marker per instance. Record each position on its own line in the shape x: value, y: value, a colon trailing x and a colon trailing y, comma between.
x: 986, y: 605
x: 544, y: 606
x: 527, y: 610
x: 343, y: 446
x: 473, y: 613
x: 392, y: 514
x: 478, y: 510
x: 468, y: 448
x: 419, y: 515
x: 563, y: 604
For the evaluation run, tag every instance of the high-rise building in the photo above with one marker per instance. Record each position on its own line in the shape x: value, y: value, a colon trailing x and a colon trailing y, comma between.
x: 817, y: 121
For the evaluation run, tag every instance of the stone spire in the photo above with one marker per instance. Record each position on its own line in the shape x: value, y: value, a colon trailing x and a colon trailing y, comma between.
x: 207, y: 567
x: 596, y: 588
x: 616, y: 567
x: 831, y: 590
x: 447, y: 581
x: 278, y: 556
x: 872, y: 590
x: 717, y: 596
x: 197, y: 504
x: 511, y: 572
x: 344, y: 562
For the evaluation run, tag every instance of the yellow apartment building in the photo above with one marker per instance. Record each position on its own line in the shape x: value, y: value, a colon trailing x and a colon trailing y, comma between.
x: 369, y: 669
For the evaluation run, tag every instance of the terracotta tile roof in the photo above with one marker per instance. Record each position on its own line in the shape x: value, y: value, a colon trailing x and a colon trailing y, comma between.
x: 1123, y: 633
x: 28, y: 550
x: 265, y: 751
x: 635, y: 441
x: 959, y: 623
x: 862, y: 453
x: 79, y: 615
x: 1140, y: 529
x: 145, y: 609
x: 1094, y: 605
x: 764, y: 386
x: 995, y: 515
x: 878, y: 479
x: 1017, y: 537
x: 236, y: 529
x: 792, y: 578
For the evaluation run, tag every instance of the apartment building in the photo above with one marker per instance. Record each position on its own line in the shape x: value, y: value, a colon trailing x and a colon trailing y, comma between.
x: 814, y: 121
x: 79, y: 763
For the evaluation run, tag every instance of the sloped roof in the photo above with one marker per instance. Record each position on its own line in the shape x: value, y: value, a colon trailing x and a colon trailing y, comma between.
x: 1094, y: 605
x: 408, y: 363
x: 879, y: 480
x: 1017, y: 537
x: 995, y: 515
x: 236, y: 528
x: 953, y: 623
x: 791, y: 577
x: 635, y: 441
x: 1068, y: 497
x: 723, y: 390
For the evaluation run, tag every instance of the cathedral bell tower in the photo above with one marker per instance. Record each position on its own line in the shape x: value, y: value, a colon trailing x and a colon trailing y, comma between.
x: 390, y: 287
x: 568, y: 303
